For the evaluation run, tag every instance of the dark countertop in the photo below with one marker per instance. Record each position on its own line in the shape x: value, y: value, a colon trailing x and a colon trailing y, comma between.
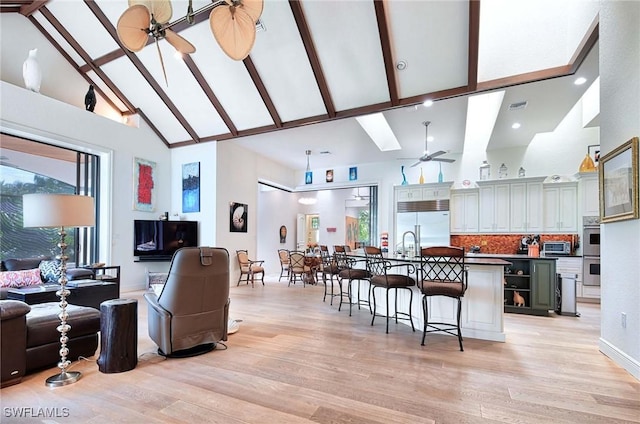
x: 507, y: 256
x: 470, y: 259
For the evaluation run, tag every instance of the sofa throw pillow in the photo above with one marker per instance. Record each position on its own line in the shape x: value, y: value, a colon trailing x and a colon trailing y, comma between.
x: 50, y: 271
x: 24, y: 278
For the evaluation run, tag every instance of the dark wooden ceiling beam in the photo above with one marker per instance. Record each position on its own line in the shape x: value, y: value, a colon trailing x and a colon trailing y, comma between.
x: 312, y: 55
x: 262, y: 90
x: 387, y: 55
x: 206, y: 88
x: 99, y: 14
x: 474, y: 45
x: 588, y: 41
x: 29, y: 9
x: 84, y: 55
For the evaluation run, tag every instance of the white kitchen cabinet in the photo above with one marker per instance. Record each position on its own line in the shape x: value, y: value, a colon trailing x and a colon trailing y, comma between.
x: 436, y: 191
x: 408, y: 193
x: 464, y: 211
x: 560, y: 208
x: 419, y: 192
x: 526, y: 206
x: 493, y: 202
x: 589, y: 194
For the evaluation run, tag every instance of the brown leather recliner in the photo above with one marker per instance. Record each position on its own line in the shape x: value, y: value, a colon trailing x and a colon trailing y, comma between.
x: 191, y: 313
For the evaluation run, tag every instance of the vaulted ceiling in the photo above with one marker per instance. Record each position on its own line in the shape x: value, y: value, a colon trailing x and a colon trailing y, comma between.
x: 326, y: 62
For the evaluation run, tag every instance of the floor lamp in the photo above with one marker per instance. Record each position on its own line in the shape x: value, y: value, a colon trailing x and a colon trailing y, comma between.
x: 60, y: 211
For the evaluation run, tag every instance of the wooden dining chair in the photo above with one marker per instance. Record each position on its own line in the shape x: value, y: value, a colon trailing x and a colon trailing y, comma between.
x: 249, y: 267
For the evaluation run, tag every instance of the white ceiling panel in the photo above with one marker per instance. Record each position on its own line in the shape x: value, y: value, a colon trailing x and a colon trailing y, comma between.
x: 532, y: 35
x: 182, y: 89
x: 432, y: 37
x: 345, y: 33
x: 61, y: 41
x: 100, y: 84
x: 124, y: 75
x: 280, y: 59
x: 83, y: 26
x: 229, y: 80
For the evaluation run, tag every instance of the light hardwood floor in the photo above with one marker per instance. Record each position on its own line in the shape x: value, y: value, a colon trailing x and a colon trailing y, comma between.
x: 296, y: 359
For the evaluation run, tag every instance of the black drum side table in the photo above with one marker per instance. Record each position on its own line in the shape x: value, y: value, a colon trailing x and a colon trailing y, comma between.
x: 118, y: 335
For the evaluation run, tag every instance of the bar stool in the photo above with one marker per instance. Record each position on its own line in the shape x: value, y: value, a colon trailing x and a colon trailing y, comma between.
x: 443, y: 274
x: 351, y: 272
x: 329, y: 270
x: 379, y: 269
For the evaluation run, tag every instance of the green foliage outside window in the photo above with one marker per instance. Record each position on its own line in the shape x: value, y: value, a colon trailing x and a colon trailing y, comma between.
x: 19, y: 242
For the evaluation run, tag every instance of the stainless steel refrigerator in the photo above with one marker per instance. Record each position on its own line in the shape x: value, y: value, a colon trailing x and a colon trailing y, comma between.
x: 428, y: 220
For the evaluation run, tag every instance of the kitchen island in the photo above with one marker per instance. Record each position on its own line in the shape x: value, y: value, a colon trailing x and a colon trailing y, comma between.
x: 529, y: 284
x: 482, y: 305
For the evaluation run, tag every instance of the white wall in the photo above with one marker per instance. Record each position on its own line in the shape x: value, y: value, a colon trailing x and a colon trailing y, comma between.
x: 38, y: 117
x: 52, y: 64
x: 620, y: 120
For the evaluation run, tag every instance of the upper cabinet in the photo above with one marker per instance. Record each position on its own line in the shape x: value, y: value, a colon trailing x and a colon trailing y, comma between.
x: 420, y: 192
x: 526, y: 206
x: 589, y: 194
x: 464, y: 211
x: 494, y: 207
x: 560, y: 207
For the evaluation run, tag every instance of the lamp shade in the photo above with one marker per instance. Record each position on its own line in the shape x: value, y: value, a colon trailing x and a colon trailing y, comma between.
x: 57, y: 210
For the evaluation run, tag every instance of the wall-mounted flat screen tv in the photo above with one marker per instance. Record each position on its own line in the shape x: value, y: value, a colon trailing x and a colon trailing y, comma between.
x: 156, y: 240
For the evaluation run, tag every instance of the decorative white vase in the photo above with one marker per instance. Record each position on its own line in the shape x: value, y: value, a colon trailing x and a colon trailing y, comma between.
x: 31, y: 72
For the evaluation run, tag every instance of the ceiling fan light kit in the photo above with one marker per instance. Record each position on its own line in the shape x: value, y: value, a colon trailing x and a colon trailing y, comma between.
x: 232, y: 22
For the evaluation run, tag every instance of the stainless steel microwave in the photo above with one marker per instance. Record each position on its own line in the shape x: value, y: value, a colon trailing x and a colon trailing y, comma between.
x: 558, y: 248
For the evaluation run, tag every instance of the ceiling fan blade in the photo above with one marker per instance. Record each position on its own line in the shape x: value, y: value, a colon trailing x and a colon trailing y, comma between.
x: 253, y: 8
x: 416, y: 164
x: 438, y: 153
x: 160, y: 9
x: 178, y: 42
x: 164, y: 72
x: 443, y: 160
x: 132, y: 27
x: 234, y: 30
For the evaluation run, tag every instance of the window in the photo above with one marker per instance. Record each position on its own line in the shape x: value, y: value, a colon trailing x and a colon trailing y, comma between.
x: 33, y: 167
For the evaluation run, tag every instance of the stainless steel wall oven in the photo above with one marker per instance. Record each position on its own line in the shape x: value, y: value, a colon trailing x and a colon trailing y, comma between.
x: 591, y: 251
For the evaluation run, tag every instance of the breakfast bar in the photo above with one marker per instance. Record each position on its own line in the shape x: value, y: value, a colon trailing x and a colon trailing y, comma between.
x: 482, y: 305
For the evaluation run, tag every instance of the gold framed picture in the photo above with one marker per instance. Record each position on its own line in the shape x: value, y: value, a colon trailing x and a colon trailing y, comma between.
x: 618, y: 175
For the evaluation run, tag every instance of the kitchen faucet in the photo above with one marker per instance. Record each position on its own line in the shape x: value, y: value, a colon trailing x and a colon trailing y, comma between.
x: 415, y: 242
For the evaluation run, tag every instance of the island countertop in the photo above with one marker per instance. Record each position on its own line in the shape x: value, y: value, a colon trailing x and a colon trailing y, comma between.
x: 469, y: 259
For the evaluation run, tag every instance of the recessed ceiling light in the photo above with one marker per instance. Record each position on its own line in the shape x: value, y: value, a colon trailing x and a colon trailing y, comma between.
x: 428, y: 103
x: 580, y: 81
x: 430, y: 138
x: 515, y: 125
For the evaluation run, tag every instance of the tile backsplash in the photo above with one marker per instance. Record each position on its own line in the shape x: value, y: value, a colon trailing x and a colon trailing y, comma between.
x: 504, y: 243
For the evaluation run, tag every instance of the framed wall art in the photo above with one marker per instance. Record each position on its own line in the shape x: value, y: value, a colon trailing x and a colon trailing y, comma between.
x: 238, y: 217
x: 353, y: 173
x: 329, y: 176
x: 144, y: 186
x: 619, y: 183
x: 191, y: 187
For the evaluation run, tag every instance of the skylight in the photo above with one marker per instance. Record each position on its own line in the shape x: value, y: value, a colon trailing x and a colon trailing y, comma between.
x: 379, y: 131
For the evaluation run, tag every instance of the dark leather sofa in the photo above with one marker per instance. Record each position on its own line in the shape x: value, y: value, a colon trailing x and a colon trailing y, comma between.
x: 29, y: 340
x: 21, y: 264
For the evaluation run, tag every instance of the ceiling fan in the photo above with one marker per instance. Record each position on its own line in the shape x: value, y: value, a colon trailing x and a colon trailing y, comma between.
x: 426, y: 157
x: 232, y: 22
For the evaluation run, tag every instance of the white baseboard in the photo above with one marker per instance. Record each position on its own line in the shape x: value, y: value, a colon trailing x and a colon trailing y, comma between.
x: 620, y: 358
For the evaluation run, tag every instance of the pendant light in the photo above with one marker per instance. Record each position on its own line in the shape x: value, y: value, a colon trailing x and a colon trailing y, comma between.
x: 308, y: 175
